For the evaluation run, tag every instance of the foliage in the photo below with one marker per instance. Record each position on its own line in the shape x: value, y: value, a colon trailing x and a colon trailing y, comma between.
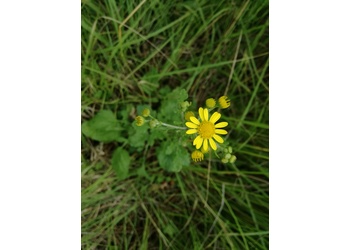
x: 121, y: 162
x: 104, y: 127
x: 158, y: 54
x: 172, y: 156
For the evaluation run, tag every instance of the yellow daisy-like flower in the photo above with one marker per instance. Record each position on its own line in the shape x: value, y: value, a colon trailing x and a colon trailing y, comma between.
x: 224, y: 102
x: 197, y: 156
x: 206, y: 129
x: 210, y: 103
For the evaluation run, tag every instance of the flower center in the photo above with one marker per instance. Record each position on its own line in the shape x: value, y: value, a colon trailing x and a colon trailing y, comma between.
x: 206, y: 130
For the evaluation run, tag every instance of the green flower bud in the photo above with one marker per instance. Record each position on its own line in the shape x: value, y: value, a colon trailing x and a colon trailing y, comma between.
x: 224, y: 160
x: 185, y: 104
x: 227, y: 156
x: 153, y: 123
x: 233, y: 159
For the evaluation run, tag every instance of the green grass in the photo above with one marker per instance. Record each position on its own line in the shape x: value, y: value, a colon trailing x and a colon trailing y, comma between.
x: 208, y: 48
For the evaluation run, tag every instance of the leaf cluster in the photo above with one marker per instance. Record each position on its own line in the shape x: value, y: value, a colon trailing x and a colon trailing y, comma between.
x: 131, y: 139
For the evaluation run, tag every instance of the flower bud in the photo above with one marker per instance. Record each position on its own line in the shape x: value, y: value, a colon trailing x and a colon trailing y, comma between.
x: 146, y: 112
x: 210, y: 103
x: 233, y: 159
x: 188, y: 114
x: 224, y: 102
x: 224, y: 160
x: 139, y: 120
x: 197, y: 156
x: 153, y: 123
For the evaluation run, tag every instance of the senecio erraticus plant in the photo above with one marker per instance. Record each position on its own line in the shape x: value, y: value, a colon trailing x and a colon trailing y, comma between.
x: 205, y: 130
x: 166, y: 125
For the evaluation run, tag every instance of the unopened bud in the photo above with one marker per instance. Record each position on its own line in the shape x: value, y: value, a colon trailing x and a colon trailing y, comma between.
x: 139, y: 120
x: 146, y: 112
x: 233, y: 159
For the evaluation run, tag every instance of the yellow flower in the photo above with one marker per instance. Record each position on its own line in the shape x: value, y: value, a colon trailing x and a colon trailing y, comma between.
x: 206, y: 129
x: 210, y: 103
x: 139, y: 120
x: 224, y: 102
x: 188, y: 114
x: 146, y: 112
x: 197, y: 156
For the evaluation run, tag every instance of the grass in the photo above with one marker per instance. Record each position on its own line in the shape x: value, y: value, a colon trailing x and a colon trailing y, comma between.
x: 130, y: 49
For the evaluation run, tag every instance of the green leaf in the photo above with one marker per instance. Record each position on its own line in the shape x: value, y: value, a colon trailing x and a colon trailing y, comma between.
x: 121, y: 163
x: 170, y: 110
x: 104, y: 127
x: 138, y: 135
x: 155, y: 135
x: 172, y: 156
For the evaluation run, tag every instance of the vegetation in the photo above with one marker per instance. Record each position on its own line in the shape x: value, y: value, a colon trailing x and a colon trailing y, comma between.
x: 135, y: 54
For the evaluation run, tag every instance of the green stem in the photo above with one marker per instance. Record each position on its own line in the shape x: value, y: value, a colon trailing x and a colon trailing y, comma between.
x: 168, y: 125
x: 172, y: 126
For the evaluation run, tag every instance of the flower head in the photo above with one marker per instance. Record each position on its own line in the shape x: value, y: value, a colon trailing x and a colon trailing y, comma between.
x: 206, y: 129
x: 185, y: 105
x: 188, y: 114
x: 146, y: 112
x: 210, y: 103
x: 139, y: 120
x: 153, y: 123
x: 224, y: 102
x: 197, y: 155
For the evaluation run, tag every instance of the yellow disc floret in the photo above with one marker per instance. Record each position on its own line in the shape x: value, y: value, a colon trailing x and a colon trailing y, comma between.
x: 224, y: 102
x: 206, y: 130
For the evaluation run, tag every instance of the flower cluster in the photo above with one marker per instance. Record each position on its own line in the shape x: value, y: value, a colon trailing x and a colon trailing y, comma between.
x: 223, y: 102
x: 146, y: 113
x: 207, y: 129
x: 228, y: 157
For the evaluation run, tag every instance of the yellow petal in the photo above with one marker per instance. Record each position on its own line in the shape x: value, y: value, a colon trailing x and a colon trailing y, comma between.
x: 191, y: 125
x: 205, y: 145
x: 195, y: 141
x: 215, y: 117
x: 212, y: 144
x: 200, y: 111
x: 220, y: 131
x: 206, y: 114
x: 221, y: 125
x: 191, y: 131
x: 198, y: 142
x: 194, y: 120
x: 218, y: 138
